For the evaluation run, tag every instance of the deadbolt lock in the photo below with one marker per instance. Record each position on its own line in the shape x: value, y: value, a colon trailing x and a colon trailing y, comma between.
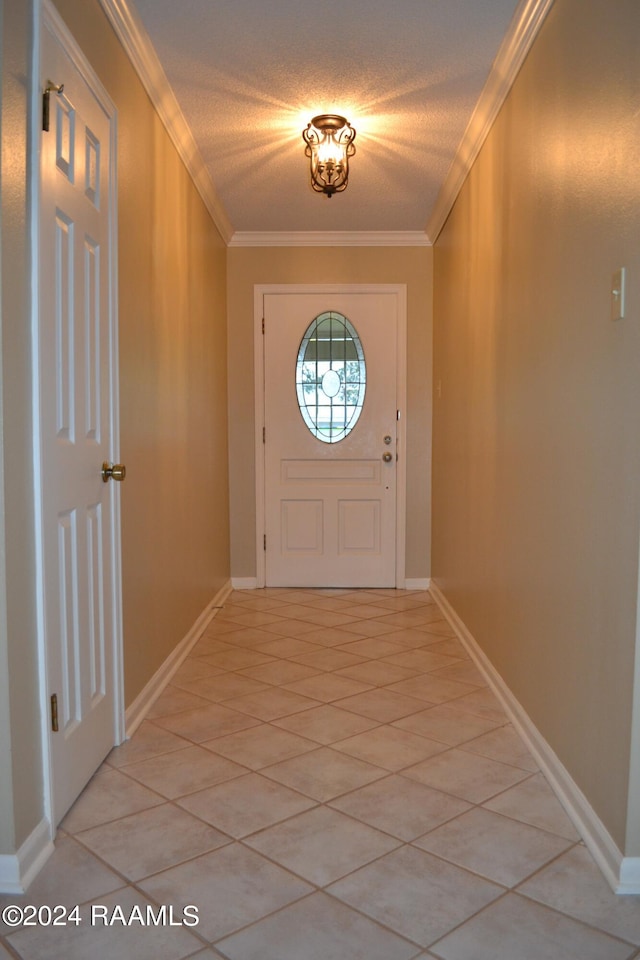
x: 387, y: 439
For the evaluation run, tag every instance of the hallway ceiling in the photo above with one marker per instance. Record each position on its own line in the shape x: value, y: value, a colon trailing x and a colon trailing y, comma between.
x: 249, y: 75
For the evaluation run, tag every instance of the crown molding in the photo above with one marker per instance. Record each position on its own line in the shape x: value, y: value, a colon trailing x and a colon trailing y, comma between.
x: 337, y: 238
x: 523, y: 30
x: 141, y: 53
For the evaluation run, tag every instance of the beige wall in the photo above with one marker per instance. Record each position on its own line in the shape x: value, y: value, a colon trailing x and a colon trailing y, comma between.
x: 536, y: 442
x: 248, y: 266
x: 172, y: 322
x: 20, y: 763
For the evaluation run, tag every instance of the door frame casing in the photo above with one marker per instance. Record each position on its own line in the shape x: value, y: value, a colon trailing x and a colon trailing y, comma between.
x: 400, y: 291
x: 46, y: 12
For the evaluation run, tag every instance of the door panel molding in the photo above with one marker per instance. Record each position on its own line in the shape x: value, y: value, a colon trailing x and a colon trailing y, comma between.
x: 259, y: 293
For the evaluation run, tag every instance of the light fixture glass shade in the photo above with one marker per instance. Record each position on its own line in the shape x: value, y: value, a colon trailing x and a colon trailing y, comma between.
x: 329, y: 139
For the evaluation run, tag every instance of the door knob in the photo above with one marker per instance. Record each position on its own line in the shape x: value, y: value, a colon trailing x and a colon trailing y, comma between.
x: 387, y: 457
x: 113, y: 471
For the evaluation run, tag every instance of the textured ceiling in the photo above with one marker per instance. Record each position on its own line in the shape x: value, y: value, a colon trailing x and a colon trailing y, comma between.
x: 250, y: 74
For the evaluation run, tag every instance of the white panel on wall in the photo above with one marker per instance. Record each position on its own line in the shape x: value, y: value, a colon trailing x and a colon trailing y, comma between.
x: 95, y: 604
x: 92, y: 338
x: 65, y: 139
x: 68, y: 638
x: 302, y: 522
x: 359, y: 526
x: 64, y: 291
x: 338, y: 471
x: 92, y: 168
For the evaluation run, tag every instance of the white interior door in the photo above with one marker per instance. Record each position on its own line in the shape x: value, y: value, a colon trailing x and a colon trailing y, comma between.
x: 330, y: 507
x: 77, y: 422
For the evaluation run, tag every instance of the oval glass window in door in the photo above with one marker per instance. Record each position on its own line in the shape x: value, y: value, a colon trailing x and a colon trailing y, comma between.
x: 330, y: 377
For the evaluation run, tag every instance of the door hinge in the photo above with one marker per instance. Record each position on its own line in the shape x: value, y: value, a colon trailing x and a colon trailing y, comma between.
x: 264, y: 434
x: 54, y: 712
x: 45, y: 102
x: 264, y: 542
x: 263, y: 324
x: 397, y: 414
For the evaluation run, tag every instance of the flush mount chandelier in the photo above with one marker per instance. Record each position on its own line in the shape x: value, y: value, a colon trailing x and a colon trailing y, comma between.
x: 329, y: 139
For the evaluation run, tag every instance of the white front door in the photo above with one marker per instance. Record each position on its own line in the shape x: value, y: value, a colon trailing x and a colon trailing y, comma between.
x: 331, y: 469
x: 77, y: 418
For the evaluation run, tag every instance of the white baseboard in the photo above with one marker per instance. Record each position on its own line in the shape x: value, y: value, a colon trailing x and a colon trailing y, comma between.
x: 251, y: 583
x: 137, y: 711
x: 629, y: 875
x: 244, y: 583
x: 19, y: 869
x: 622, y: 873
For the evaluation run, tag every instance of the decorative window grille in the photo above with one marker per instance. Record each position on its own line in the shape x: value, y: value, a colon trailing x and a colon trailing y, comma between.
x: 330, y: 377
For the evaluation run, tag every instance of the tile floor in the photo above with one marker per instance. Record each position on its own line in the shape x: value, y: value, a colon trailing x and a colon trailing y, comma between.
x: 326, y: 778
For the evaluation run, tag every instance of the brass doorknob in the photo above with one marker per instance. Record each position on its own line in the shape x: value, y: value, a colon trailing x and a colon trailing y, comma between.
x: 113, y: 471
x: 387, y: 457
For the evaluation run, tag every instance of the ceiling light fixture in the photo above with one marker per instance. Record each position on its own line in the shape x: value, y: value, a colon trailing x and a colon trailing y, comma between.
x: 329, y: 139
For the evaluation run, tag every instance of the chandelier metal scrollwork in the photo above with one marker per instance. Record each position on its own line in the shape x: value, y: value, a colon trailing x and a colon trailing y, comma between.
x: 329, y: 139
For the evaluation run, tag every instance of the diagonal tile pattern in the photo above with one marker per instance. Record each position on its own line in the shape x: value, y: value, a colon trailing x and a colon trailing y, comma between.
x: 327, y: 777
